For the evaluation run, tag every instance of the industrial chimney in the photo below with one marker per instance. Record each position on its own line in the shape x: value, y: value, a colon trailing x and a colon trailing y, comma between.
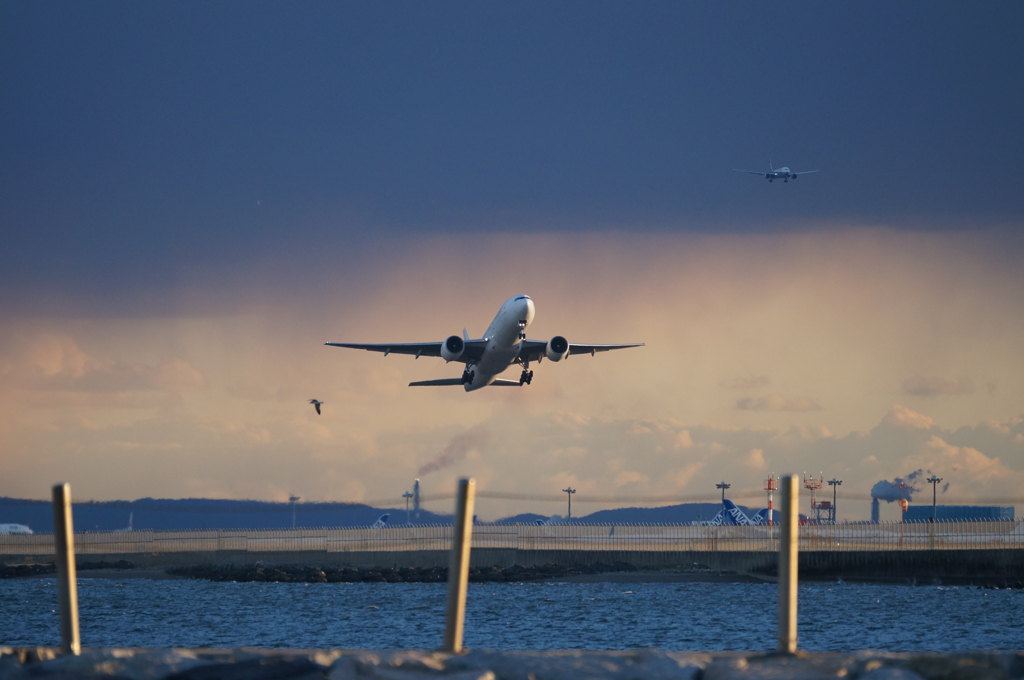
x: 874, y: 511
x: 416, y: 499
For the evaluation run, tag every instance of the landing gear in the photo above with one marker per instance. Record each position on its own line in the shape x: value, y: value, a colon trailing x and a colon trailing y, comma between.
x: 522, y: 329
x: 527, y: 377
x: 468, y: 375
x: 785, y: 181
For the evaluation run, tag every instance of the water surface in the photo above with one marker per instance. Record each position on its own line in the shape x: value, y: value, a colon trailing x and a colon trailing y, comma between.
x: 676, y: 616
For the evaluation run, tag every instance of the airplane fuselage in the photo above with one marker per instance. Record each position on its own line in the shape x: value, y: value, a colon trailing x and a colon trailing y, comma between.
x: 779, y: 173
x: 503, y: 339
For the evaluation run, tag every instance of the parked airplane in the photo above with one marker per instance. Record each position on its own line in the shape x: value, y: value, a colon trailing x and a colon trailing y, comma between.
x: 735, y: 516
x: 773, y: 174
x: 381, y: 522
x: 503, y: 344
x: 14, y: 529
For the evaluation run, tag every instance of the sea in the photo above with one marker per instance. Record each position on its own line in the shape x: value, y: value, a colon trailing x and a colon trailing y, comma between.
x: 672, y: 616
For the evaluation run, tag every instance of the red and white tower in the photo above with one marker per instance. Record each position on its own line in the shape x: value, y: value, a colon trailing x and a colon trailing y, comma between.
x: 770, y: 485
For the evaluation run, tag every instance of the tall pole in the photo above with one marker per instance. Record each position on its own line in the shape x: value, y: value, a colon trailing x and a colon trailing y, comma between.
x: 407, y: 496
x: 570, y: 491
x: 67, y: 583
x: 834, y: 483
x: 788, y: 562
x: 458, y: 569
x: 723, y: 486
x: 934, y: 480
x: 293, y: 500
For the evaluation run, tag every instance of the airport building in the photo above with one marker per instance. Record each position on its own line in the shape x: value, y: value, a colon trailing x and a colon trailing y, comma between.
x: 958, y: 513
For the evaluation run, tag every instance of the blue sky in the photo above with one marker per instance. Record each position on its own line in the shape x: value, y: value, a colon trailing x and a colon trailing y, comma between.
x: 194, y: 196
x: 135, y: 137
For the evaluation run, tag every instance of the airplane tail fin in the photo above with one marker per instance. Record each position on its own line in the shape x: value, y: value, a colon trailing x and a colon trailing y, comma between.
x: 382, y: 522
x: 465, y: 335
x: 734, y: 514
x: 771, y: 168
x: 131, y: 517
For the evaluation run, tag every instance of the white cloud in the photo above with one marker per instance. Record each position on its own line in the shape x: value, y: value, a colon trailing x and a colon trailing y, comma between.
x: 777, y: 402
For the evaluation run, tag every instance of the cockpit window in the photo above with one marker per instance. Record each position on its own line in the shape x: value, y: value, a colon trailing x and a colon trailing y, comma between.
x: 522, y: 297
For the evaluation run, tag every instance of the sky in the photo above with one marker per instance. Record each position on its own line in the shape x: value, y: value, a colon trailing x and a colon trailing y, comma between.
x: 194, y: 197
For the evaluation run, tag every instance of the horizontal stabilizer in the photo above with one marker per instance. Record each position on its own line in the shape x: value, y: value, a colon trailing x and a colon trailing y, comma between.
x: 508, y: 383
x: 435, y: 383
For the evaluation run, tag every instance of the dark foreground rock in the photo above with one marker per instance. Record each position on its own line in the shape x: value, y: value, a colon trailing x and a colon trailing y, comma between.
x: 23, y: 570
x: 211, y: 664
x: 311, y: 574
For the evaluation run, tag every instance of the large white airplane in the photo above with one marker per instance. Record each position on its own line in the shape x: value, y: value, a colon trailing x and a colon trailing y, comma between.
x: 14, y: 529
x: 773, y: 174
x: 503, y: 345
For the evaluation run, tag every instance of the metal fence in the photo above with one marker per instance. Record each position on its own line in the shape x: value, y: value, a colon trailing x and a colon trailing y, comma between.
x: 620, y: 537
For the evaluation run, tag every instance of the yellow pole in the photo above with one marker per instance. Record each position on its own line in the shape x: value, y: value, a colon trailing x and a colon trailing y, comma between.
x: 67, y: 584
x: 458, y: 569
x: 788, y: 561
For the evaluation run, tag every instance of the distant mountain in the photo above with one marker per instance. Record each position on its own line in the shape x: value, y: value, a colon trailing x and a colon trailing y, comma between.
x: 525, y: 518
x: 669, y: 514
x: 204, y: 513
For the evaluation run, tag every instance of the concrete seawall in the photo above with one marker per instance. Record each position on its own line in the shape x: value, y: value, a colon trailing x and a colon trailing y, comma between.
x: 1004, y: 566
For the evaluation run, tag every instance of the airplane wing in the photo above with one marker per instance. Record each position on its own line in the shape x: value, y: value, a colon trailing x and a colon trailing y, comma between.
x: 474, y: 349
x: 805, y: 172
x: 533, y: 350
x: 753, y: 172
x: 437, y: 383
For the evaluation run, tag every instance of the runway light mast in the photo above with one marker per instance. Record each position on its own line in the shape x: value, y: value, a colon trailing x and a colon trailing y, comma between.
x: 407, y: 496
x: 934, y: 480
x: 813, y: 485
x: 570, y: 491
x: 834, y: 483
x: 293, y: 500
x: 723, y: 486
x: 770, y: 485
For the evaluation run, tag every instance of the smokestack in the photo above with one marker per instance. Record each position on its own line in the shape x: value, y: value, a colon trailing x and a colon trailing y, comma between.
x: 416, y: 499
x: 874, y: 511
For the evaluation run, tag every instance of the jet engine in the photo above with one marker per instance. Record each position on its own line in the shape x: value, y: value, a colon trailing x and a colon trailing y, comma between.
x: 452, y: 348
x: 557, y: 348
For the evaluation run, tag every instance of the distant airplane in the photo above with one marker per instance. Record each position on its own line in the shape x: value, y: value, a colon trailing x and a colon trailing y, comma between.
x: 316, y: 404
x: 14, y: 529
x: 503, y: 344
x: 131, y: 516
x: 381, y: 522
x: 773, y: 174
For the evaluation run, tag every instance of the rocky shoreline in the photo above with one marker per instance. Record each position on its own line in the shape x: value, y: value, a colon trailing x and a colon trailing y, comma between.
x: 309, y: 574
x: 211, y: 664
x: 26, y: 570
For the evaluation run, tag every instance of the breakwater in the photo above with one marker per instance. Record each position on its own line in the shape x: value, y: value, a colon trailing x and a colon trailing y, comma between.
x: 1002, y: 568
x: 312, y: 574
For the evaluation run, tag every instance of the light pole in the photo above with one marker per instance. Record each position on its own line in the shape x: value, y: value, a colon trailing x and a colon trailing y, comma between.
x: 570, y: 491
x: 723, y: 486
x: 934, y: 480
x: 293, y: 500
x: 834, y: 483
x: 407, y: 496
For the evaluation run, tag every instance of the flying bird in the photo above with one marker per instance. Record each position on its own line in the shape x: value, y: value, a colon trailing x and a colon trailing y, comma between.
x: 316, y: 404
